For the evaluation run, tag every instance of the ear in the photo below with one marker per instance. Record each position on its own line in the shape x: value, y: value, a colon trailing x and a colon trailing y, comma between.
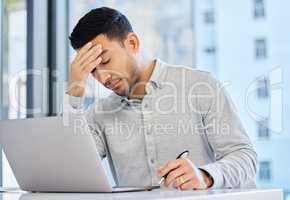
x: 132, y: 42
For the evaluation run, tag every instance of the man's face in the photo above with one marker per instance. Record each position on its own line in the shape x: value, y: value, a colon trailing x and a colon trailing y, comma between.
x: 118, y: 70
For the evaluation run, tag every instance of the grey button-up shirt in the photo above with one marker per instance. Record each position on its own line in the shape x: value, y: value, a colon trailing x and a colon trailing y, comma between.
x: 183, y: 109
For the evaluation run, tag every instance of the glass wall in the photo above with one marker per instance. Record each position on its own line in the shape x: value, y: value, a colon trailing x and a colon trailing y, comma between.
x: 245, y: 44
x: 13, y: 93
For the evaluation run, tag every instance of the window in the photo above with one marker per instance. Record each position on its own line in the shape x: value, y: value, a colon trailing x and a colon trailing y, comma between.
x: 13, y: 64
x: 263, y: 129
x: 263, y: 88
x: 259, y: 9
x: 210, y: 50
x: 209, y: 17
x: 265, y: 171
x: 261, y: 49
x: 287, y: 195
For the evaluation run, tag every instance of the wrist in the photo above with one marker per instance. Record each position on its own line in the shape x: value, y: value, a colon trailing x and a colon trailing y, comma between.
x: 207, y: 178
x: 76, y: 90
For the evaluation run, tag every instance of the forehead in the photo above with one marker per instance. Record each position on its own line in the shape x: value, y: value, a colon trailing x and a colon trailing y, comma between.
x: 104, y: 41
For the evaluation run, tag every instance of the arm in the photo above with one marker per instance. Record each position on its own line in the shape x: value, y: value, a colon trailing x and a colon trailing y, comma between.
x: 236, y: 158
x: 235, y: 164
x: 74, y: 112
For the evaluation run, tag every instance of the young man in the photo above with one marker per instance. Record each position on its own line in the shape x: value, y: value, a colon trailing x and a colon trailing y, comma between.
x: 156, y: 111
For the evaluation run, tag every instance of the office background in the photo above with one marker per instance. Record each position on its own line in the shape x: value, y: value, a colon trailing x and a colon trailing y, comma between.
x: 244, y: 43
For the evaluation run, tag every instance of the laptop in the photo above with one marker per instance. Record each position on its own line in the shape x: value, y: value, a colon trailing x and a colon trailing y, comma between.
x: 48, y: 155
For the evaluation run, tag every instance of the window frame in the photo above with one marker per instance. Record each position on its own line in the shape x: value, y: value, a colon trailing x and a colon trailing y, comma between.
x: 53, y: 23
x: 4, y: 102
x: 37, y: 58
x: 58, y: 54
x: 1, y: 83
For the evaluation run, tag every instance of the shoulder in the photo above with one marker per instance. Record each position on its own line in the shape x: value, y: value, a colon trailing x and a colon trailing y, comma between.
x: 110, y: 103
x: 188, y: 74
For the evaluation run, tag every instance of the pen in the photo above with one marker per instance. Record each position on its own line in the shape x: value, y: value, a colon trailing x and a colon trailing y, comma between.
x: 181, y: 155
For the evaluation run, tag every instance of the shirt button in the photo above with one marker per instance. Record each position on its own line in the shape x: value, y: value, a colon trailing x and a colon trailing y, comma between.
x: 152, y: 160
x: 146, y: 105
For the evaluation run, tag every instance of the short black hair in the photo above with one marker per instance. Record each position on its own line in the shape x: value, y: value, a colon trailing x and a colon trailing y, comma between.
x: 104, y: 20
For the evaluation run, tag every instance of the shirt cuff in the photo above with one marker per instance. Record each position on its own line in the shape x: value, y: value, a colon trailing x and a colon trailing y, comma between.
x: 75, y: 102
x: 218, y: 180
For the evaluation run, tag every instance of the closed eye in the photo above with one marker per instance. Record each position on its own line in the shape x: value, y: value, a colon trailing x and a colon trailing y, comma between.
x: 93, y: 71
x: 104, y: 63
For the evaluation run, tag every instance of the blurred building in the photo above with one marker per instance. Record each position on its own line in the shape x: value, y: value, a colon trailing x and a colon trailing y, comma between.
x: 246, y: 44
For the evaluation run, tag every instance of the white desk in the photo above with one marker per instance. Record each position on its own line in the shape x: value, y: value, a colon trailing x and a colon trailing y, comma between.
x: 272, y: 194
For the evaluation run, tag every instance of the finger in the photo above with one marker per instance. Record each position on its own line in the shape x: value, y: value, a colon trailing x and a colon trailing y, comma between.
x: 173, y: 175
x: 187, y: 185
x: 91, y: 54
x: 197, y: 175
x: 171, y: 166
x: 163, y: 166
x: 160, y: 169
x: 92, y: 65
x: 183, y: 179
x: 92, y: 57
x: 83, y: 50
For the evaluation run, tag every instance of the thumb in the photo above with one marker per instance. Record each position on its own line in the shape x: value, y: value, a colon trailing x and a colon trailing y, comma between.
x: 202, y: 185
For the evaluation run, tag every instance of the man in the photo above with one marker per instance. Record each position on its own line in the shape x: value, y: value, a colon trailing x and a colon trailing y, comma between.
x: 156, y: 111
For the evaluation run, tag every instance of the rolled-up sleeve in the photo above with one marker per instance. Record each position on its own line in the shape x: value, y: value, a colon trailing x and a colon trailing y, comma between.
x: 236, y: 159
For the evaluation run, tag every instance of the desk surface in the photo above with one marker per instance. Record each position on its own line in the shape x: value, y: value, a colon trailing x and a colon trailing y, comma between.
x: 269, y: 194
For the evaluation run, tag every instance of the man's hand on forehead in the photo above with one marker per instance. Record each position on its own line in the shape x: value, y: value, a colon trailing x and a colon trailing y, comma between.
x: 85, y: 61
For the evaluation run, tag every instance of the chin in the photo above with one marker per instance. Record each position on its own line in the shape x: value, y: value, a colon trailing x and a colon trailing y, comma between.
x: 121, y: 92
x: 123, y: 89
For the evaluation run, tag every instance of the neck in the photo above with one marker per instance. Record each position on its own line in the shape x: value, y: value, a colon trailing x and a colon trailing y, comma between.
x: 146, y: 69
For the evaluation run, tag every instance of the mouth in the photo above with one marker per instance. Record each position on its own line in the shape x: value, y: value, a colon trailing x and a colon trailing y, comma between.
x: 115, y: 84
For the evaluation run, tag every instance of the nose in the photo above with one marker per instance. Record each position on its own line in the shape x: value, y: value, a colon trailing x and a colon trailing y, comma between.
x: 104, y: 78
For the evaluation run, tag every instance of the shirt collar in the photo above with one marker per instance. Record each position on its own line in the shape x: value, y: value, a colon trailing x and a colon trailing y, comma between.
x: 156, y: 79
x: 155, y: 82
